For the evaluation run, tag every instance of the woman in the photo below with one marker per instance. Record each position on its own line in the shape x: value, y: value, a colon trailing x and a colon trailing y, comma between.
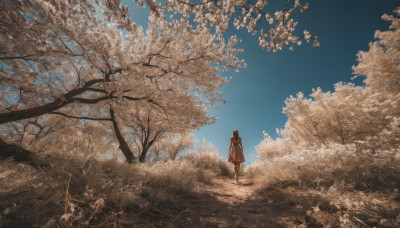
x: 236, y: 152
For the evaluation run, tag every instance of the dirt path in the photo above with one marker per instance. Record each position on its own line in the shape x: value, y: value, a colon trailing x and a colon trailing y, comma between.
x: 227, y: 204
x: 235, y: 207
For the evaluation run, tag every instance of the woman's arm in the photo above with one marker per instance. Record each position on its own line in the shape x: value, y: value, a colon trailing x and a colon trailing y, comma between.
x: 240, y: 143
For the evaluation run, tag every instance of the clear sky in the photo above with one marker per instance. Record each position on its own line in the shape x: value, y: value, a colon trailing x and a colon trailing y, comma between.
x: 255, y: 96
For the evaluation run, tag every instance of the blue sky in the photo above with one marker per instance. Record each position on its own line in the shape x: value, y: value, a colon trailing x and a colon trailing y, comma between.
x: 255, y: 96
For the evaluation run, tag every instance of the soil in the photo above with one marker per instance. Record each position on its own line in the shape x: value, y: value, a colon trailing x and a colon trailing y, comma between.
x: 247, y: 204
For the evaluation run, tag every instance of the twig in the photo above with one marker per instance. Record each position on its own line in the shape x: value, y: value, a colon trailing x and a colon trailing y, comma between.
x: 179, y: 215
x: 359, y: 220
x: 162, y: 212
x: 66, y: 194
x: 90, y: 218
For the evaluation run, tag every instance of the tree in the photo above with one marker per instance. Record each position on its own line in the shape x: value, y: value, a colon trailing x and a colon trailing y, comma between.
x: 148, y: 125
x: 179, y: 144
x: 170, y: 146
x: 380, y: 64
x: 275, y: 27
x: 367, y: 115
x: 95, y: 64
x: 60, y: 61
x: 348, y: 115
x: 87, y: 61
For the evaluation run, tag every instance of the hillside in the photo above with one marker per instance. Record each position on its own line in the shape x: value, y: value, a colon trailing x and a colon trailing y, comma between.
x: 70, y: 193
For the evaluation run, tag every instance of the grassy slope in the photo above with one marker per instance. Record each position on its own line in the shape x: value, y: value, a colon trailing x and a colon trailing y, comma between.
x: 196, y: 191
x: 103, y: 194
x: 337, y: 187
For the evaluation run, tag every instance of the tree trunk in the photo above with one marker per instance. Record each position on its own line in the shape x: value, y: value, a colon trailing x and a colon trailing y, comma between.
x: 142, y: 157
x: 173, y: 156
x: 123, y: 145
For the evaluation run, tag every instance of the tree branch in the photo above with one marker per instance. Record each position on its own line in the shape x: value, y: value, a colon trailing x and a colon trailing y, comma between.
x: 63, y: 100
x: 81, y: 117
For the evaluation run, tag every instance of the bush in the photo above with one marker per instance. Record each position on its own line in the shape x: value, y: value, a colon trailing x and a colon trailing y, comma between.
x: 75, y: 192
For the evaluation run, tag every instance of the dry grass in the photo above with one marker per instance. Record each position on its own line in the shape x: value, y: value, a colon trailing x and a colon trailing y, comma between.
x: 73, y: 193
x: 361, y: 185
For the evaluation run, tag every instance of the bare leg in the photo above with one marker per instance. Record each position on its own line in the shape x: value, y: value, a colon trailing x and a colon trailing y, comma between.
x: 237, y: 173
x: 238, y: 167
x: 238, y: 170
x: 234, y: 169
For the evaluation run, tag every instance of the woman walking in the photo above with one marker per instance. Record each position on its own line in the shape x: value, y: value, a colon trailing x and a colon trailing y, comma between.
x: 236, y: 153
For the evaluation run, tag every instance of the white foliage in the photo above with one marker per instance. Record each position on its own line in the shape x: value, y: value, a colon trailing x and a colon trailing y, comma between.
x: 275, y: 27
x: 78, y: 59
x: 364, y: 116
x: 380, y: 65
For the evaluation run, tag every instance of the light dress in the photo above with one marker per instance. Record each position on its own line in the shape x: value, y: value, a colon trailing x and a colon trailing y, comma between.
x: 236, y: 153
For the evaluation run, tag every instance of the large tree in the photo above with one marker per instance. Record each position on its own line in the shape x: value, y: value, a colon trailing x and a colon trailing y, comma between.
x: 86, y: 60
x: 51, y: 60
x: 91, y: 67
x: 366, y: 115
